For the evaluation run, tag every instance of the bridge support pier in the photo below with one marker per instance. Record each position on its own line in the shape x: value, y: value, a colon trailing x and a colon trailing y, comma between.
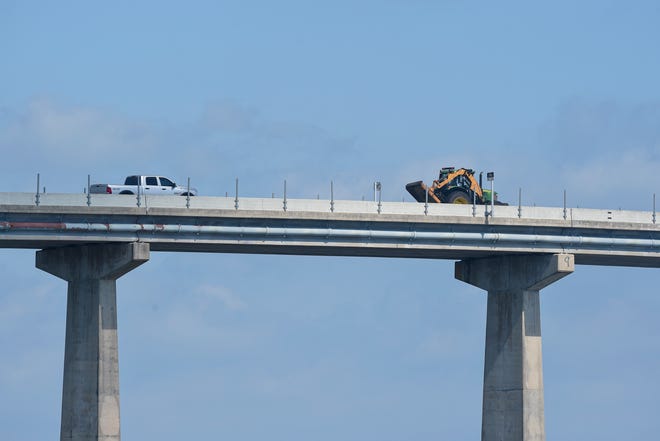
x: 90, y: 394
x: 513, y: 368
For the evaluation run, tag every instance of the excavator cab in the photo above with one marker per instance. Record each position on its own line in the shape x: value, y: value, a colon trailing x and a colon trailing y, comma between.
x: 444, y: 172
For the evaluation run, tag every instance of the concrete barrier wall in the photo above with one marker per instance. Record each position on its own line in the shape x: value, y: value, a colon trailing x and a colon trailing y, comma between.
x: 324, y: 206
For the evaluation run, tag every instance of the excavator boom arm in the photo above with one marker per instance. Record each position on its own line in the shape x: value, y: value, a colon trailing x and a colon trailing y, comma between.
x: 474, y: 185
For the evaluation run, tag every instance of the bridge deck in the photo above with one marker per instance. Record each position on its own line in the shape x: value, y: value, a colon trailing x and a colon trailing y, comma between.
x: 322, y: 227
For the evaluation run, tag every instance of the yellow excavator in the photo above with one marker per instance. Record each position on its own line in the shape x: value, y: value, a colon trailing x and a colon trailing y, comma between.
x: 453, y: 187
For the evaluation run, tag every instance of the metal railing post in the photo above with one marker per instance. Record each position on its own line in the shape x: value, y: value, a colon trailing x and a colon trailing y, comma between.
x: 89, y: 196
x: 138, y: 190
x: 236, y: 199
x: 379, y: 198
x: 492, y: 197
x: 284, y: 201
x: 491, y: 177
x: 474, y: 204
x: 332, y: 197
x: 653, y: 208
x: 188, y: 194
x: 519, y: 202
x: 426, y: 202
x: 36, y: 198
x: 564, y: 204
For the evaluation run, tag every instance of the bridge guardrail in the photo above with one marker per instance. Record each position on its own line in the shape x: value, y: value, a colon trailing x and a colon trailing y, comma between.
x: 327, y: 206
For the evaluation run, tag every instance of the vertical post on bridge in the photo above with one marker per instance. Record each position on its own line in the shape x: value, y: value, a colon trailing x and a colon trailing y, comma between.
x: 653, y: 217
x: 513, y: 408
x: 284, y: 200
x: 90, y: 393
x: 332, y: 197
x: 236, y: 199
x: 188, y: 194
x: 36, y: 198
x: 89, y: 185
x: 377, y: 188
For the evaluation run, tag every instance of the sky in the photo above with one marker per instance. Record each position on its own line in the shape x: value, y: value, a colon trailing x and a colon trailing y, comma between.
x: 553, y: 97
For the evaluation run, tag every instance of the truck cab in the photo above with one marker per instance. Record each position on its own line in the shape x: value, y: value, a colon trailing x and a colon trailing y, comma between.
x: 151, y: 184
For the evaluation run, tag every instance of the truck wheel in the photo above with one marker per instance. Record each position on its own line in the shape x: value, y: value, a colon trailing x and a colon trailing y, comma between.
x: 458, y: 197
x: 126, y: 192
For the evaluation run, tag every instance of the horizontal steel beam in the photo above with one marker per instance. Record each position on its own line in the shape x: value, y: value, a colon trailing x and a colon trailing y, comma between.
x: 356, y: 235
x: 329, y: 234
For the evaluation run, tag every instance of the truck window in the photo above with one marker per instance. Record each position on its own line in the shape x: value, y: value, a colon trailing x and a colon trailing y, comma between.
x: 131, y: 180
x: 151, y: 180
x: 164, y: 182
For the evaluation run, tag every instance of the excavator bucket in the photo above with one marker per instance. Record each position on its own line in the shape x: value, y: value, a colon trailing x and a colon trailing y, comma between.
x: 418, y: 190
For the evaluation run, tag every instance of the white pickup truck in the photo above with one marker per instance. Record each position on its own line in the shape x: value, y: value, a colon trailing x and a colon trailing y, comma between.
x: 147, y: 185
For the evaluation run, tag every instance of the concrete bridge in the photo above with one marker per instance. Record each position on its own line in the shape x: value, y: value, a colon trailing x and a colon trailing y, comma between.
x: 512, y: 253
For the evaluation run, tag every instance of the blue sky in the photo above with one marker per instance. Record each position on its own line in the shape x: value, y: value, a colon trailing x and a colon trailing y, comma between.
x: 562, y: 96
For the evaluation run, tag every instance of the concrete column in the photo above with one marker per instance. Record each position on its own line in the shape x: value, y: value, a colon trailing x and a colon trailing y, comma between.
x: 513, y: 368
x: 90, y: 395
